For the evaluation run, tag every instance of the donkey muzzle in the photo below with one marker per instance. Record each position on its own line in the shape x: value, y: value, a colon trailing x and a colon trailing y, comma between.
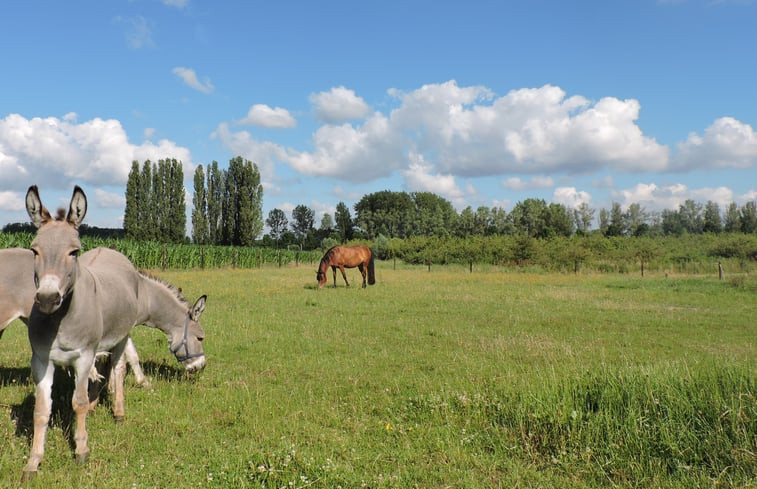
x: 48, y: 297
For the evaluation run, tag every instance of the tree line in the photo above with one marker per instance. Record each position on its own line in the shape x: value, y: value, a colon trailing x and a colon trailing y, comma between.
x: 227, y: 210
x: 403, y: 215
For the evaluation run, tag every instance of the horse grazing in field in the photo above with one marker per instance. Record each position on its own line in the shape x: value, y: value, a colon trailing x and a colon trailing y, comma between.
x: 88, y: 304
x: 17, y: 291
x: 342, y: 257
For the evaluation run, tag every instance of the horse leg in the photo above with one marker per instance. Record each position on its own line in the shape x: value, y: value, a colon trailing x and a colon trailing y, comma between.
x: 361, y: 267
x: 333, y: 268
x: 80, y: 404
x: 344, y: 275
x: 132, y: 358
x: 43, y: 404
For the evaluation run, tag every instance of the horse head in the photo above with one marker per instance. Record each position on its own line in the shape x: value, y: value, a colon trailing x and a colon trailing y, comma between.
x: 187, y: 345
x: 56, y: 249
x: 320, y: 276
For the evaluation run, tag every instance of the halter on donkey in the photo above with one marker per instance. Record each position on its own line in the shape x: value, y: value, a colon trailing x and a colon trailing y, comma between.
x: 88, y: 305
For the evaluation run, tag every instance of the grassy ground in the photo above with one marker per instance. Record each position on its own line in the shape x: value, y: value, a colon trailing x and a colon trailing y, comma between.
x: 427, y: 379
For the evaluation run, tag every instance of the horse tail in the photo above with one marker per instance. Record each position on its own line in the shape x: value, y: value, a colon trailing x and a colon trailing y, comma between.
x: 371, y: 271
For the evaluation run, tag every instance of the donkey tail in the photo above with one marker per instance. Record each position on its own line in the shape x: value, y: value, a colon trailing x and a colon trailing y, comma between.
x: 371, y: 271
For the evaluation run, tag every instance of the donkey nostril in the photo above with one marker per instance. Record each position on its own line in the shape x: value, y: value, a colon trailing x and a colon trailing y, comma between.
x: 50, y: 298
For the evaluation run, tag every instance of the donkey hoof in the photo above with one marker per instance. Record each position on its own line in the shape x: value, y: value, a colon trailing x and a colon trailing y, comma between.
x: 28, y: 475
x: 118, y: 419
x: 82, y: 458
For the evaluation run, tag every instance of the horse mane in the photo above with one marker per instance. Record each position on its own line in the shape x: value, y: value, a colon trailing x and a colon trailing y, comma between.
x: 173, y: 290
x: 327, y: 256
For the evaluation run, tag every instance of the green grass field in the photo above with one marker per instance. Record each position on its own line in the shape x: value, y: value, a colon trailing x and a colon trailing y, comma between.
x: 427, y: 379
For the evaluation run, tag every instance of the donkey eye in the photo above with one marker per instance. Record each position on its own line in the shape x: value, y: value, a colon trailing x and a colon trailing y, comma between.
x: 74, y: 253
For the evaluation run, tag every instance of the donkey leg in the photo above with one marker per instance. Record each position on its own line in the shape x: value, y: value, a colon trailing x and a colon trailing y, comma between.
x: 132, y: 357
x: 43, y: 403
x: 118, y: 382
x: 80, y: 404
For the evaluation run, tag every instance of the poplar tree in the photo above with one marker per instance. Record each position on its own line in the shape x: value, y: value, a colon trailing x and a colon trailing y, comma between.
x: 157, y: 200
x: 146, y: 225
x: 200, y: 206
x: 176, y: 208
x: 242, y: 209
x: 214, y: 198
x: 131, y: 212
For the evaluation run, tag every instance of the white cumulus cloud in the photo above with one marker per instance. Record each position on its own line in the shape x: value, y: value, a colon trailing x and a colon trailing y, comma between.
x: 727, y: 143
x: 531, y: 130
x: 659, y: 197
x: 353, y: 153
x: 338, y: 105
x: 11, y: 201
x: 469, y: 131
x: 265, y: 116
x: 265, y: 154
x: 55, y: 152
x: 109, y: 200
x: 570, y: 197
x: 419, y: 177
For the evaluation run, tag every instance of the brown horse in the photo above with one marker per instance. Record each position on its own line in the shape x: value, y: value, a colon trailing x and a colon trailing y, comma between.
x: 342, y: 257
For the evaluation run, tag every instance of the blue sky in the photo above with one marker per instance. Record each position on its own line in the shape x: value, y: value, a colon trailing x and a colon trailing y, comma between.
x: 482, y: 102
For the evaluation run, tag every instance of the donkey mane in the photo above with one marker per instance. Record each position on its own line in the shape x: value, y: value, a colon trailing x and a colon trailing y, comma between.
x: 176, y: 292
x: 60, y: 214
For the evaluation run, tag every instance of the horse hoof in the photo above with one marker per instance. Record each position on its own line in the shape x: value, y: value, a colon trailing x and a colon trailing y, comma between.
x: 118, y: 419
x: 82, y: 458
x: 28, y: 475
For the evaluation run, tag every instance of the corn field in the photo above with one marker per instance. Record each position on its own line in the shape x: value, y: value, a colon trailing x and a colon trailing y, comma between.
x: 151, y: 255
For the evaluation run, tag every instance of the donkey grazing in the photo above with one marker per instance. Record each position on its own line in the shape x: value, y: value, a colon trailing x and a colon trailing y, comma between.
x: 17, y: 291
x: 88, y: 304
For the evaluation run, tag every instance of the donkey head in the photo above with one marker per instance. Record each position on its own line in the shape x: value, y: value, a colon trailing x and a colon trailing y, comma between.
x: 187, y: 347
x: 56, y: 249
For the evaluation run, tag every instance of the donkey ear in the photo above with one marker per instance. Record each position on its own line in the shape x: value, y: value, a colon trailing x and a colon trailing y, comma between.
x: 78, y: 207
x: 198, y: 308
x: 37, y: 212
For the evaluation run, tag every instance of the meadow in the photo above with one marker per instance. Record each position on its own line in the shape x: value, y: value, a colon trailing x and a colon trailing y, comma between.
x: 429, y: 379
